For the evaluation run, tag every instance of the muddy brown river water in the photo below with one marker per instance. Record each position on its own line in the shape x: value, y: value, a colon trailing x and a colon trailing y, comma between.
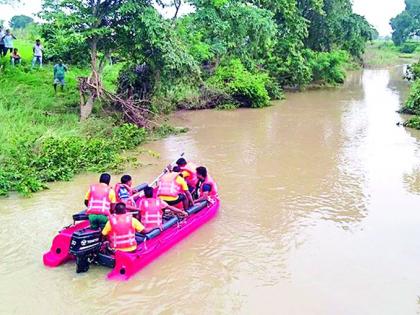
x: 320, y: 215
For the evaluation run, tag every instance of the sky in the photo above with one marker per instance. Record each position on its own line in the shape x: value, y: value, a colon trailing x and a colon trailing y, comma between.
x: 377, y: 12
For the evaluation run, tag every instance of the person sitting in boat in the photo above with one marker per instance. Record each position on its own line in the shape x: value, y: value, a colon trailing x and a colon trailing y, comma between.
x: 188, y: 171
x: 100, y: 200
x: 121, y: 229
x: 151, y: 210
x: 206, y: 187
x: 173, y: 189
x: 125, y: 193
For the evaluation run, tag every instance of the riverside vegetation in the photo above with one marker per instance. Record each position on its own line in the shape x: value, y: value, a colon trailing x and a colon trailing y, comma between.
x: 129, y: 65
x: 406, y: 29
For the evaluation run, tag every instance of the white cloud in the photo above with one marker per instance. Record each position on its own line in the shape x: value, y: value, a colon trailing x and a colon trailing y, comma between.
x: 379, y: 12
x: 25, y: 7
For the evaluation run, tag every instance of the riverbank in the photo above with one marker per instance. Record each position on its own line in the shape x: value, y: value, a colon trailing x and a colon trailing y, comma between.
x: 380, y: 53
x: 43, y: 140
x: 41, y: 137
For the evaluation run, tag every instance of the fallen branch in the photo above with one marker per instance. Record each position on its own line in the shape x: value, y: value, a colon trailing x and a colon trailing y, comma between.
x: 134, y: 111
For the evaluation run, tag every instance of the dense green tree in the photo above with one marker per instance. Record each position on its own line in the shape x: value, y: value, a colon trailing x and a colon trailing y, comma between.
x: 231, y: 29
x: 274, y: 39
x: 288, y: 64
x: 335, y: 26
x: 155, y: 44
x: 20, y: 21
x: 97, y: 25
x: 406, y: 24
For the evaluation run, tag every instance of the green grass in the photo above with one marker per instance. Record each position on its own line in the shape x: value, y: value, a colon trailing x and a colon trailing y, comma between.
x: 28, y: 104
x: 41, y: 138
x: 385, y: 53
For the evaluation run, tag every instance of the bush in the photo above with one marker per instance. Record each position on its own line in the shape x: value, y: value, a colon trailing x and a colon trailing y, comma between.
x: 413, y: 122
x: 166, y: 130
x: 408, y: 47
x: 413, y: 72
x: 227, y: 106
x: 129, y: 136
x: 328, y: 67
x: 208, y: 97
x: 246, y: 88
x: 412, y: 105
x: 274, y: 89
x: 31, y: 163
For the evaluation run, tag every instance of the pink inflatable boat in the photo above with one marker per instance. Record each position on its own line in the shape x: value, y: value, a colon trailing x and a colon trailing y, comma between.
x: 79, y: 243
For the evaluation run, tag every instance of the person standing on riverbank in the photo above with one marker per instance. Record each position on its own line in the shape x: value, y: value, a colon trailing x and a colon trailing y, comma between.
x: 2, y: 34
x: 8, y: 42
x: 37, y: 50
x: 60, y: 70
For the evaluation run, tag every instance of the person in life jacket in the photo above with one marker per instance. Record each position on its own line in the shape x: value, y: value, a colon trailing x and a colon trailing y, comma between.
x: 121, y: 229
x: 173, y: 189
x: 125, y: 193
x: 100, y: 200
x: 151, y: 210
x: 188, y: 171
x: 206, y: 187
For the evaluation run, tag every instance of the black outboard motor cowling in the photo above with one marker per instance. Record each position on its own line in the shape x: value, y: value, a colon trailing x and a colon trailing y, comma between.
x: 85, y: 245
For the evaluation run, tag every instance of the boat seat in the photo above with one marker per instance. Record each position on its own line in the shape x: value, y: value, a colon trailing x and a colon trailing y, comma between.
x: 80, y: 216
x: 140, y: 237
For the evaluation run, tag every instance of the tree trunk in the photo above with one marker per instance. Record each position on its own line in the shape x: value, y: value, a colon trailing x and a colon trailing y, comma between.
x: 90, y: 88
x: 86, y: 108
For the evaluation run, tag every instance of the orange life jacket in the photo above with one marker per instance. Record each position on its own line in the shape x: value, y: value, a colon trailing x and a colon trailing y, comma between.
x: 122, y: 234
x: 209, y: 181
x: 192, y: 179
x: 151, y: 213
x: 99, y: 202
x: 168, y: 185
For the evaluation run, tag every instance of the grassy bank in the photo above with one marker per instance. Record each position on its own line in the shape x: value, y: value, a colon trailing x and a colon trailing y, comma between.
x: 384, y: 53
x: 41, y: 137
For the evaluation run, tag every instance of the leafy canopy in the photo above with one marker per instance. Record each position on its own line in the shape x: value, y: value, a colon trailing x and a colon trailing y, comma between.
x: 20, y: 21
x: 406, y: 24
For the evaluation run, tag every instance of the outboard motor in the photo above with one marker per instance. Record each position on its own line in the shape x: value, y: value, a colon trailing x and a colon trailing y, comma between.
x: 85, y: 245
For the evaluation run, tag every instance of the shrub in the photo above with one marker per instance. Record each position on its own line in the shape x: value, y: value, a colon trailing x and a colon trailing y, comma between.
x: 228, y: 106
x: 328, y: 67
x: 246, y: 88
x: 413, y: 72
x: 129, y: 136
x: 165, y: 130
x: 274, y: 89
x: 408, y: 47
x: 413, y: 122
x: 412, y: 105
x: 30, y: 164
